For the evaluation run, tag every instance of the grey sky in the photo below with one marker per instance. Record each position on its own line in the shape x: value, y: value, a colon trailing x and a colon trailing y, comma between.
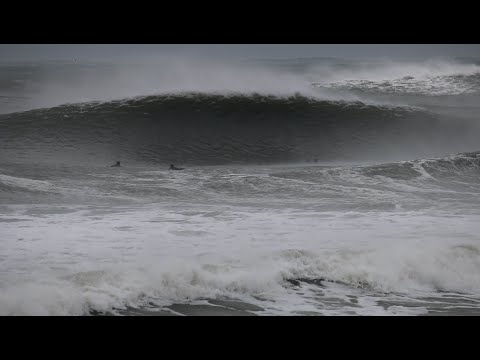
x: 38, y: 52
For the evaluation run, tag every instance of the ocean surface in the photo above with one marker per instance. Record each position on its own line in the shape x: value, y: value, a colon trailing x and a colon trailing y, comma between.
x: 317, y: 186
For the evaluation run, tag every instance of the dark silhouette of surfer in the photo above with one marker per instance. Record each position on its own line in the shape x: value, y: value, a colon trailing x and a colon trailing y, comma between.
x: 172, y: 167
x: 116, y: 165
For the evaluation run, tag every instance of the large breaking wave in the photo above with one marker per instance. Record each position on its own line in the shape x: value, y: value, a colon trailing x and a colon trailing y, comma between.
x: 215, y: 128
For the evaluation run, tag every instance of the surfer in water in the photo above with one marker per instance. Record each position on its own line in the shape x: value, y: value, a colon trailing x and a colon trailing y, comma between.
x: 172, y: 167
x: 117, y: 164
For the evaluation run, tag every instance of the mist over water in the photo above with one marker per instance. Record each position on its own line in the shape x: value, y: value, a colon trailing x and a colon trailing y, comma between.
x: 311, y: 186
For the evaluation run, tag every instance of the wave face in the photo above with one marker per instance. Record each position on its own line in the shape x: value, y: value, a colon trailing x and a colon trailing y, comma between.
x: 201, y: 128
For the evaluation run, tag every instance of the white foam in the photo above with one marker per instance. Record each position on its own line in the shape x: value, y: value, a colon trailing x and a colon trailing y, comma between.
x: 393, y: 70
x: 76, y: 261
x: 431, y: 77
x: 30, y: 184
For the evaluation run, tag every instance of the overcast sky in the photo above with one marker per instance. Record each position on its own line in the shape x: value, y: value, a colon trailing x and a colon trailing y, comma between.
x: 38, y: 52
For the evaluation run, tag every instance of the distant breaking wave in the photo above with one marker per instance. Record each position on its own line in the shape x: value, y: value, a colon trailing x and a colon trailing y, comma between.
x: 453, y: 80
x: 452, y: 85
